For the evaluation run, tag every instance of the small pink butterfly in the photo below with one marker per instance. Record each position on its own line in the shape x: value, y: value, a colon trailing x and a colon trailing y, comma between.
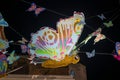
x: 33, y: 7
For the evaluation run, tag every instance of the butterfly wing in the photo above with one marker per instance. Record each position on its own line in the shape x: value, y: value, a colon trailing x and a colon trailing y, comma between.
x: 32, y: 7
x: 39, y: 10
x: 3, y: 23
x: 117, y: 47
x: 3, y: 44
x: 69, y: 31
x: 45, y: 43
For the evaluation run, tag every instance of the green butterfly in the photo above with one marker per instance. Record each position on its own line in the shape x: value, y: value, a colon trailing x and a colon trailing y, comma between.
x: 109, y: 24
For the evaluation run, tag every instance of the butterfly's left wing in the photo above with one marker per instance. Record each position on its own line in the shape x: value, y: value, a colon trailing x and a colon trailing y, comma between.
x: 44, y: 43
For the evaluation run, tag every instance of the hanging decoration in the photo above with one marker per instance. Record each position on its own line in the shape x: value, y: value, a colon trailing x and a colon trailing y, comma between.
x: 90, y: 54
x: 37, y: 10
x: 108, y: 24
x: 101, y: 16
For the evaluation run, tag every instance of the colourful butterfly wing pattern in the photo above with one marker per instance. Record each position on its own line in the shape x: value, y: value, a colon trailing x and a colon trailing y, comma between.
x: 55, y: 44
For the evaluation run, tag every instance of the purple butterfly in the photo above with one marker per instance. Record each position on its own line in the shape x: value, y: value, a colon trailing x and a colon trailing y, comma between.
x: 24, y: 48
x: 37, y: 10
x: 116, y: 54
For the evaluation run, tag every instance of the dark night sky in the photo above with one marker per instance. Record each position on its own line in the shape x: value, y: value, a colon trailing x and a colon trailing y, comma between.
x: 100, y: 67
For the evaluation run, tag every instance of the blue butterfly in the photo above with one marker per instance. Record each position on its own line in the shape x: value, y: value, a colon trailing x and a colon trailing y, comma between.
x: 2, y: 21
x: 90, y: 54
x: 12, y: 57
x: 101, y: 16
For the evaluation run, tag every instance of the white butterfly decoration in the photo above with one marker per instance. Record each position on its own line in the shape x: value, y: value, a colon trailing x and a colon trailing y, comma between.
x: 99, y: 37
x: 90, y: 54
x: 55, y: 44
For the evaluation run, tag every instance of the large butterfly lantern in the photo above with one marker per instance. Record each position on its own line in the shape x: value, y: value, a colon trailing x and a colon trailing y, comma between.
x: 55, y: 45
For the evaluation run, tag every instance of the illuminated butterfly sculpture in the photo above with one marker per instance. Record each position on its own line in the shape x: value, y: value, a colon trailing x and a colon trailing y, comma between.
x: 37, y: 10
x: 117, y: 54
x: 57, y: 45
x: 90, y: 54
